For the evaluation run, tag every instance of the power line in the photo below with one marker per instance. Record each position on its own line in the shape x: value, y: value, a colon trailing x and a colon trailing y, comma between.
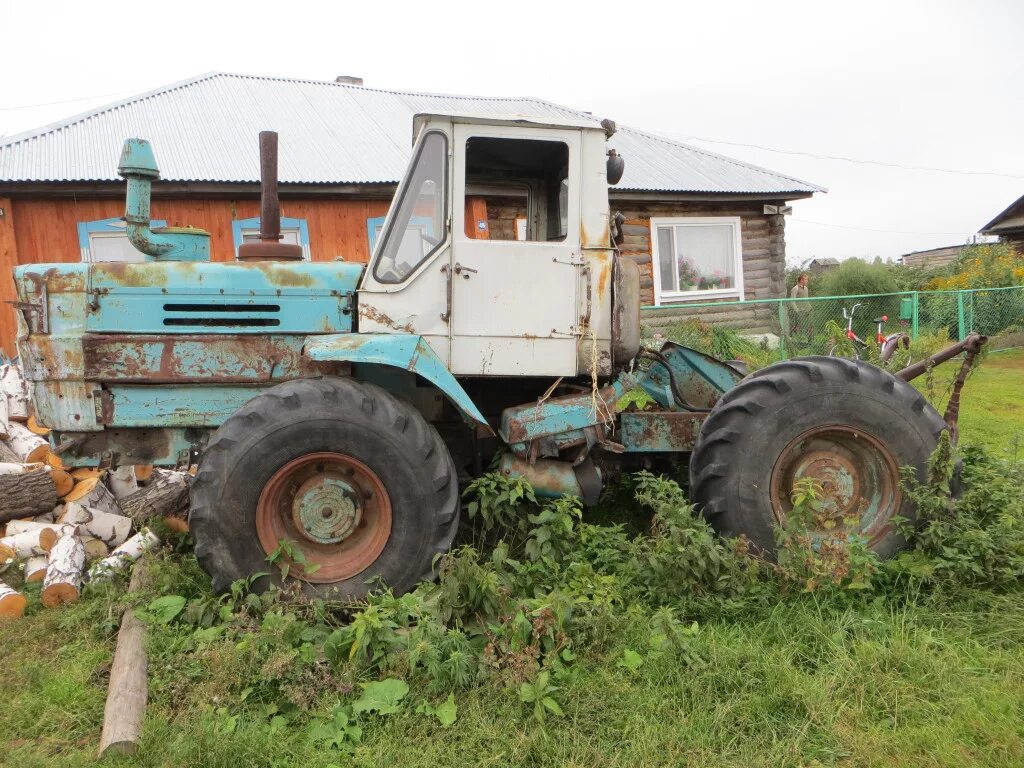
x: 64, y: 101
x: 868, y: 229
x: 857, y: 161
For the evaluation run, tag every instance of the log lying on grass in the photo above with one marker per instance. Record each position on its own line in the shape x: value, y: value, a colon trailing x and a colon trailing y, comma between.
x: 122, y: 482
x: 112, y: 530
x: 165, y: 496
x: 91, y: 492
x: 12, y: 602
x: 63, y: 580
x: 35, y: 568
x: 33, y: 542
x: 15, y: 390
x: 27, y: 446
x: 124, y: 555
x: 26, y: 494
x: 127, y: 692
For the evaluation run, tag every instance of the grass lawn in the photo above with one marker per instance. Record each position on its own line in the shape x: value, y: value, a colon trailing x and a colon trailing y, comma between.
x: 914, y: 680
x: 992, y: 404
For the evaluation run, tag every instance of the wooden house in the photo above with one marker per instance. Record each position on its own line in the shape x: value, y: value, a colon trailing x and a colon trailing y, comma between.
x: 1009, y: 225
x: 703, y: 227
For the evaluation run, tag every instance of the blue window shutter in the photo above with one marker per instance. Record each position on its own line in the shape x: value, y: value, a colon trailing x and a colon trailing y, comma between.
x: 105, y: 226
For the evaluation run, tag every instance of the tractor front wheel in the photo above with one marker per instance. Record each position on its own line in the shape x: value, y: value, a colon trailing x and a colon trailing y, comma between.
x: 845, y: 423
x: 353, y: 486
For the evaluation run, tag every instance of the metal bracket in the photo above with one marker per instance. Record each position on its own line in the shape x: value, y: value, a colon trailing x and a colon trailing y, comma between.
x: 574, y: 261
x: 42, y: 324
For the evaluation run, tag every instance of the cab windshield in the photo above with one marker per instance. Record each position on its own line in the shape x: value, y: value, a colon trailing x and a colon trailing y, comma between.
x: 417, y: 229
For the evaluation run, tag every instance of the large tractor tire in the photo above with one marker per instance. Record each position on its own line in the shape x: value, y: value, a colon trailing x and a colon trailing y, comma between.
x: 356, y: 480
x: 846, y: 423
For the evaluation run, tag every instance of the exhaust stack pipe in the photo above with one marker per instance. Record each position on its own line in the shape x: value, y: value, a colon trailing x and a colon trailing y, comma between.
x: 269, y: 247
x: 138, y: 168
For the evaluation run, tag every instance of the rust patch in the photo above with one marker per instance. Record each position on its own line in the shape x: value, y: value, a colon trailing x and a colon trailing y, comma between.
x: 603, y: 271
x: 139, y: 274
x: 286, y: 276
x: 372, y: 313
x: 166, y: 359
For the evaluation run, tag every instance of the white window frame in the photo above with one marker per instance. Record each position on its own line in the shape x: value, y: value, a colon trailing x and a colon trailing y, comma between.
x: 676, y: 297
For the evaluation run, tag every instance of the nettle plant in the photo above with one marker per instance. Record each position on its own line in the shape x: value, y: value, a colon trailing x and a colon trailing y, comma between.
x: 818, y: 552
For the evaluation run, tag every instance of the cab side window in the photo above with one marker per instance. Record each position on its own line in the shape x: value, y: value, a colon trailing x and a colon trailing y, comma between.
x: 417, y: 229
x: 516, y: 189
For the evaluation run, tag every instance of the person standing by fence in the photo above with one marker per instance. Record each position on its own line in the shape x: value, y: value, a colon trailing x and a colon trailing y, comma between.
x: 799, y: 312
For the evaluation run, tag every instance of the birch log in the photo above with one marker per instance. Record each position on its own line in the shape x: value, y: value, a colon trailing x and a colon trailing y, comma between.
x: 84, y: 473
x: 26, y: 494
x: 91, y: 492
x: 20, y: 526
x: 127, y: 691
x: 38, y: 541
x: 166, y: 495
x: 35, y: 427
x: 4, y: 419
x: 63, y: 578
x: 15, y: 390
x: 112, y: 530
x: 27, y: 446
x: 12, y: 602
x: 125, y: 555
x: 35, y: 568
x: 122, y: 482
x: 95, y: 549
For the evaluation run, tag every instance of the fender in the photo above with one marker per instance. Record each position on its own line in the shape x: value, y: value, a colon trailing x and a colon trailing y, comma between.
x: 406, y: 351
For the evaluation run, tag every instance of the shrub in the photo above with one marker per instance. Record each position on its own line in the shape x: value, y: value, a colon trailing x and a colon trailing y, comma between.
x: 992, y: 265
x: 855, y: 276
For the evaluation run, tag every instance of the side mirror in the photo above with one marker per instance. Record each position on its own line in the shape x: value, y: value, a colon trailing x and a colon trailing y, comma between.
x: 616, y: 166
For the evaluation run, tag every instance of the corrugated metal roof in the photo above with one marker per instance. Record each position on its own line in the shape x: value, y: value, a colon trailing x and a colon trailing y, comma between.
x: 204, y: 129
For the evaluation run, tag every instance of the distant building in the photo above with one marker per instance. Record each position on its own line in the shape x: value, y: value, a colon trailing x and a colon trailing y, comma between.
x: 822, y: 264
x: 934, y: 257
x: 1009, y: 225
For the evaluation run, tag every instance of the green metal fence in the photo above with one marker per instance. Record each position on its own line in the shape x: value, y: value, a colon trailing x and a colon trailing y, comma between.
x: 813, y: 326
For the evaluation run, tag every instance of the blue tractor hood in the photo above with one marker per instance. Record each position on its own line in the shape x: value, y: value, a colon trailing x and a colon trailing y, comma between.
x: 202, y: 297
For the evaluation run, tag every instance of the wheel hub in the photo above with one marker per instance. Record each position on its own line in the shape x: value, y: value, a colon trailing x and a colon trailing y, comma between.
x: 326, y: 509
x: 857, y: 475
x: 333, y: 508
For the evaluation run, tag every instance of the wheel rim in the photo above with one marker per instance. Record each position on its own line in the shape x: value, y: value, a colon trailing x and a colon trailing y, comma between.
x: 859, y: 478
x: 333, y: 507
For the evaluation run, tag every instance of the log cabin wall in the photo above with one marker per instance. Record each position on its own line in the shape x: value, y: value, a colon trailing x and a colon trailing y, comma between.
x: 764, y: 260
x: 46, y: 230
x: 41, y: 230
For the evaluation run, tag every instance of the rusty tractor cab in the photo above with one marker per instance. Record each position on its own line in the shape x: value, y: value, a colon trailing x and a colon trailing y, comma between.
x: 339, y: 406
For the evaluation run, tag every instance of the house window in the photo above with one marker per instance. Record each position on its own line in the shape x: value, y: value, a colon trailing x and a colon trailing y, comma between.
x: 107, y: 240
x: 695, y: 258
x: 293, y: 232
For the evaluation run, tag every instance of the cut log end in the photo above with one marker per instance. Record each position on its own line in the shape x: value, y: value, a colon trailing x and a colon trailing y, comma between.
x: 59, y: 594
x: 12, y: 605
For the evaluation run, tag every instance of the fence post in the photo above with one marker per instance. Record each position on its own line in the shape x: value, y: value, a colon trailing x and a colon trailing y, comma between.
x: 960, y: 320
x: 915, y: 316
x: 783, y: 327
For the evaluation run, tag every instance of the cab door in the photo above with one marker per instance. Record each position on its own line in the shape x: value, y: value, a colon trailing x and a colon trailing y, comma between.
x: 515, y: 259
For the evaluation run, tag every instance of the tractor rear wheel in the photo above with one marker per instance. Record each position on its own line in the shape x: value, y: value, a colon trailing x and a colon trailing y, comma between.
x: 337, y: 473
x: 846, y: 423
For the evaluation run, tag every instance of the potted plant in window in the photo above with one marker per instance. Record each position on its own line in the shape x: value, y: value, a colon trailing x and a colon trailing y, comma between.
x: 689, y: 277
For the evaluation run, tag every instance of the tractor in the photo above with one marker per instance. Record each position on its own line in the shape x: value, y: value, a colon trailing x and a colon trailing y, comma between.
x: 338, y: 406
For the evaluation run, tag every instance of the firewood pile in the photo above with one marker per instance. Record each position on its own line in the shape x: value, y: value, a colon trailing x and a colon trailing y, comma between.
x: 63, y: 527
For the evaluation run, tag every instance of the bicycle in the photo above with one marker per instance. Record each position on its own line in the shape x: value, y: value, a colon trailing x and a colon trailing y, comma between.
x: 887, y: 344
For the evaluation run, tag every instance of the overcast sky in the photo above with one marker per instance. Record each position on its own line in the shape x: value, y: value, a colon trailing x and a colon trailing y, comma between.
x: 936, y: 84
